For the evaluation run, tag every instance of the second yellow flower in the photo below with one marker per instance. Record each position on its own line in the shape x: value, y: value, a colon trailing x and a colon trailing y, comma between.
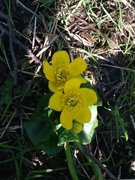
x: 62, y: 70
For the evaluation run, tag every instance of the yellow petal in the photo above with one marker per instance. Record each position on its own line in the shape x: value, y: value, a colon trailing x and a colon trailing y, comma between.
x: 72, y: 84
x: 54, y: 87
x: 89, y: 96
x: 83, y: 115
x: 66, y: 119
x: 77, y: 66
x: 77, y: 127
x: 48, y: 71
x: 60, y: 57
x: 82, y: 79
x: 55, y: 101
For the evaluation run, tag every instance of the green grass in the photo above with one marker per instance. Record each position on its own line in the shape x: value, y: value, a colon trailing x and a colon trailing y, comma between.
x: 104, y: 36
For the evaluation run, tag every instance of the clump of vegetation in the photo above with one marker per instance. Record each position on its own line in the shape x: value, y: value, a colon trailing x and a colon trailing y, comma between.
x: 73, y: 120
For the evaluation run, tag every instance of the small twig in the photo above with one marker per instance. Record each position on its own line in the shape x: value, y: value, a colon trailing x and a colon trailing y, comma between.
x: 28, y: 51
x: 16, y: 41
x: 127, y: 4
x: 10, y: 32
x: 118, y: 67
x: 119, y: 174
x: 133, y: 121
x: 26, y: 8
x: 46, y: 46
x: 6, y: 128
x: 1, y: 31
x: 34, y: 33
x: 33, y: 57
x: 13, y: 55
x: 12, y: 128
x: 84, y: 169
x: 25, y: 48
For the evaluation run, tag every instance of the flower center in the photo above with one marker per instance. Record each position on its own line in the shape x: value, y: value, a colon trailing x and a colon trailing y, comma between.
x: 72, y: 101
x: 62, y: 74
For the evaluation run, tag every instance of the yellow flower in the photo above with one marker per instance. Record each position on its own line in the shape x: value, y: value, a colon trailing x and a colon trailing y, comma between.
x: 62, y: 70
x: 73, y: 103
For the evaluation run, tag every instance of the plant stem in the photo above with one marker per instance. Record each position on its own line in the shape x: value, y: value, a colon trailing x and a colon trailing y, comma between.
x: 95, y: 164
x: 71, y: 167
x: 96, y: 169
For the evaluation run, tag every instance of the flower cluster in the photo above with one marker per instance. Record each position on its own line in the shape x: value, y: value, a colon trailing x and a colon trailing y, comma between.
x: 69, y: 98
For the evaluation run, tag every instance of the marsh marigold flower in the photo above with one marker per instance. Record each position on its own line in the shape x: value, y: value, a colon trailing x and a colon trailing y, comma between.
x: 62, y: 70
x: 73, y: 103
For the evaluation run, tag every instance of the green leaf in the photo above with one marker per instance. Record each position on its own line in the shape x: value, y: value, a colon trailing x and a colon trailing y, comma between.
x: 42, y: 105
x: 39, y: 129
x: 67, y: 136
x: 120, y: 124
x: 87, y: 133
x: 51, y: 145
x: 87, y: 84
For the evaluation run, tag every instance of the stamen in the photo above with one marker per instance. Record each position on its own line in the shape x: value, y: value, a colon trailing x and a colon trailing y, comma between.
x: 62, y: 74
x: 72, y: 101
